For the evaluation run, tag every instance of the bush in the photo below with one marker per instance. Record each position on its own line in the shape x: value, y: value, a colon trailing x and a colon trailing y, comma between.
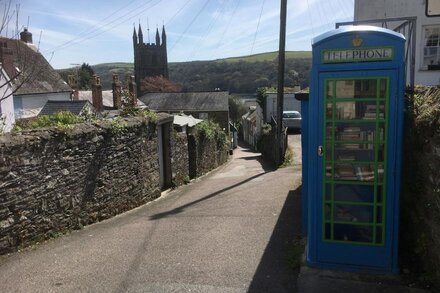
x: 61, y: 120
x: 212, y: 131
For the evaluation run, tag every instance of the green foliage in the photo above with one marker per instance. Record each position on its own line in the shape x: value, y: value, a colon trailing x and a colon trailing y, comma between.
x: 294, y: 254
x: 288, y: 158
x: 210, y: 130
x: 60, y: 120
x: 129, y: 109
x: 237, y: 75
x: 261, y: 97
x: 237, y: 109
x: 118, y: 126
x: 270, y: 56
x: 266, y: 129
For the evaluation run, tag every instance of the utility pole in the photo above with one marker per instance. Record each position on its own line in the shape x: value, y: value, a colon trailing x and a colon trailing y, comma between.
x: 280, y: 90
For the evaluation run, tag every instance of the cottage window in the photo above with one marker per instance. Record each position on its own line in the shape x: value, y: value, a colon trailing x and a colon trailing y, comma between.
x: 431, y: 48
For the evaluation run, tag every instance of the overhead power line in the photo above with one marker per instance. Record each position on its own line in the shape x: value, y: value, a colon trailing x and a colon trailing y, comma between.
x: 190, y: 24
x: 96, y: 31
x: 258, y: 25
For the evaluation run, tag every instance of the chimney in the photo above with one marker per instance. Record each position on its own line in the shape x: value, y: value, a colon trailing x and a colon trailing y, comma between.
x: 116, y: 86
x: 97, y: 94
x: 7, y: 59
x: 26, y: 36
x: 75, y: 95
x: 132, y: 89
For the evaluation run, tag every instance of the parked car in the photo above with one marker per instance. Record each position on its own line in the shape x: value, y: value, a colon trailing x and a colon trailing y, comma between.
x: 292, y: 120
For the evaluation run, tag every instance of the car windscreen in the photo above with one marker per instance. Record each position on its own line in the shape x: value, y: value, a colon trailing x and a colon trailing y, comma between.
x: 291, y: 115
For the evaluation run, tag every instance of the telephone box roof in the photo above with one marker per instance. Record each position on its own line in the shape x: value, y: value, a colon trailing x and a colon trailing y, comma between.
x: 358, y: 28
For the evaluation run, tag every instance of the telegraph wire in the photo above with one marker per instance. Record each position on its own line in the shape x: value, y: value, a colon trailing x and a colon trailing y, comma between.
x: 92, y: 33
x: 178, y: 12
x: 217, y: 13
x: 258, y: 25
x: 227, y: 26
x: 310, y: 18
x: 190, y: 24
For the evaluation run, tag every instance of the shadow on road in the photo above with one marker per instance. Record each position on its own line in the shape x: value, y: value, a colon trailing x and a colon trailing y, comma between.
x: 183, y: 207
x: 273, y: 273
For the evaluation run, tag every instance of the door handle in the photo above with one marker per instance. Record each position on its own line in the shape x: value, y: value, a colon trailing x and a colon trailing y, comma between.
x: 320, y: 151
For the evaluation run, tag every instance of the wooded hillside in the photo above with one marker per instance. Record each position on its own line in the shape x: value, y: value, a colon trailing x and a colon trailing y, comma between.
x: 237, y: 75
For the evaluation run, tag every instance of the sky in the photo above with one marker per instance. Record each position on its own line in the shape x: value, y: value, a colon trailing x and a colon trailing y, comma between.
x: 96, y: 31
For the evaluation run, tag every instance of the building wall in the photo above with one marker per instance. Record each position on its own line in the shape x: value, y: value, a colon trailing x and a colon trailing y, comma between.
x: 7, y: 117
x: 289, y: 104
x: 26, y: 106
x: 378, y: 9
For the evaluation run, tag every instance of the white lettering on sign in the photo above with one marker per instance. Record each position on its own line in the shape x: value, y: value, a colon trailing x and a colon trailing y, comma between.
x: 356, y: 55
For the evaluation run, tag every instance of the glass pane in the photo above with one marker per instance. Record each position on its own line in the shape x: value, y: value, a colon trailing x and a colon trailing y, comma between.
x: 352, y: 172
x: 329, y: 111
x: 327, y: 231
x: 330, y: 89
x: 380, y: 195
x: 358, y: 88
x: 354, y: 213
x: 347, y: 232
x: 380, y: 170
x: 379, y: 215
x: 328, y: 171
x: 379, y: 235
x: 327, y: 212
x: 354, y: 193
x: 354, y: 152
x: 328, y: 192
x: 357, y: 110
x: 353, y: 132
x: 383, y: 88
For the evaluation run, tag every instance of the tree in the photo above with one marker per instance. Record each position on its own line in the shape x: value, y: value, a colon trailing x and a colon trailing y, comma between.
x: 154, y: 84
x: 85, y: 76
x: 237, y: 109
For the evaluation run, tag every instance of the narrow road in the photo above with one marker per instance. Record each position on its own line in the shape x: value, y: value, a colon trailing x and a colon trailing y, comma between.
x: 228, y: 231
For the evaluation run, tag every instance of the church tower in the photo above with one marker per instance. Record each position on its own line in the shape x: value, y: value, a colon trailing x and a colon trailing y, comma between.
x: 150, y: 59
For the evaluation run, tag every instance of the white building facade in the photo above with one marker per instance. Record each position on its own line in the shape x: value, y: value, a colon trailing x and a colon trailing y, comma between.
x: 427, y: 53
x: 7, y: 118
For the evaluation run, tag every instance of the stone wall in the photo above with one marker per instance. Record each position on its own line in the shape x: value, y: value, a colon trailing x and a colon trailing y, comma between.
x: 420, y: 198
x: 54, y: 181
x: 205, y: 154
x: 179, y: 158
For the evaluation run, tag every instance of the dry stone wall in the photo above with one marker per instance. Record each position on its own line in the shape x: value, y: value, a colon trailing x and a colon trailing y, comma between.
x: 53, y: 181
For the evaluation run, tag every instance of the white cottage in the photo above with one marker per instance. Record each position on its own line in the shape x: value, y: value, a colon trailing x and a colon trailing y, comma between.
x: 33, y: 79
x: 427, y: 43
x: 7, y: 118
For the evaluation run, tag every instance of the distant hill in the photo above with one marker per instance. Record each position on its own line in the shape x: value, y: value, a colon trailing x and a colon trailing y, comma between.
x: 269, y: 56
x: 237, y: 74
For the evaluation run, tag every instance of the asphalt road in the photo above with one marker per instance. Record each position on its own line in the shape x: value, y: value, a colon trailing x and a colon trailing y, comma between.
x: 228, y: 231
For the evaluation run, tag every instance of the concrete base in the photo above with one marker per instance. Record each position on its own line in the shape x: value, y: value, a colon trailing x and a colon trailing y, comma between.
x: 311, y: 280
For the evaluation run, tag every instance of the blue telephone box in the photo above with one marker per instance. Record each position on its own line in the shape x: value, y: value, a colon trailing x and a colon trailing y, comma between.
x: 354, y: 139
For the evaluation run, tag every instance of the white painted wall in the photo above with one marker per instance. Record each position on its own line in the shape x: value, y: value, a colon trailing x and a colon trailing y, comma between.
x: 6, y: 103
x: 377, y: 9
x: 26, y: 106
x: 290, y: 104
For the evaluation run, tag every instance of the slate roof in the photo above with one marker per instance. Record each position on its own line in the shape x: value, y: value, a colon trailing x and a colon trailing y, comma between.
x: 107, y: 98
x: 37, y: 73
x: 193, y: 101
x: 53, y: 107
